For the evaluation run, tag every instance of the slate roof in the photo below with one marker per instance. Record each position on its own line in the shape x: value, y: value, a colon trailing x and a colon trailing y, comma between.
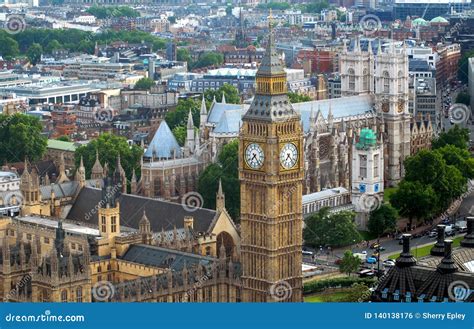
x: 161, y: 214
x: 63, y: 190
x: 163, y: 257
x: 163, y: 144
x: 217, y: 109
x: 230, y: 122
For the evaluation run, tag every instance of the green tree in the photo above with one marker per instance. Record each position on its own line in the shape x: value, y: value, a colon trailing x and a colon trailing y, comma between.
x: 297, y: 98
x: 9, y: 48
x: 110, y: 147
x: 225, y: 169
x: 460, y: 158
x: 179, y: 115
x: 349, y: 263
x: 359, y: 292
x: 64, y: 138
x: 231, y: 94
x: 34, y: 53
x: 183, y: 55
x: 21, y: 138
x: 333, y: 229
x: 180, y: 133
x: 316, y: 6
x: 144, y: 84
x: 463, y: 98
x: 414, y: 201
x: 52, y: 46
x: 456, y: 136
x: 209, y: 59
x: 463, y: 68
x: 383, y: 220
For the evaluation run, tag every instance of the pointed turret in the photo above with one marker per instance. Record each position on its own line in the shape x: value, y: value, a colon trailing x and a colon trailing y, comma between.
x: 220, y: 197
x: 81, y: 174
x: 97, y: 171
x: 223, y: 98
x: 203, y: 114
x: 133, y: 183
x: 62, y: 171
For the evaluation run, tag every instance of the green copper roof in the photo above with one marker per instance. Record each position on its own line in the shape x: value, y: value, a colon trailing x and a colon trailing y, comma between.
x: 60, y: 145
x: 367, y: 139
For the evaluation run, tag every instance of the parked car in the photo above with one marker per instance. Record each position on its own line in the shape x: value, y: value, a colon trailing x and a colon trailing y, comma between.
x: 433, y: 234
x: 389, y: 263
x: 371, y: 260
x: 366, y: 273
x: 307, y: 253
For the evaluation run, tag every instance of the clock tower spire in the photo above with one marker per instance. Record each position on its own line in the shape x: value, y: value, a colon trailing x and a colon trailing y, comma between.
x: 271, y: 178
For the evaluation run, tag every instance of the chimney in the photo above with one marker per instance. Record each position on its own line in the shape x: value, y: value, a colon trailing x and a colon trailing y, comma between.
x: 189, y: 222
x: 468, y: 241
x: 438, y: 248
x: 447, y: 265
x: 406, y: 259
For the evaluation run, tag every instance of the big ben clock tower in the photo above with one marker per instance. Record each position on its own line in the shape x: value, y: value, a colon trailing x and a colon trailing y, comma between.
x: 271, y: 180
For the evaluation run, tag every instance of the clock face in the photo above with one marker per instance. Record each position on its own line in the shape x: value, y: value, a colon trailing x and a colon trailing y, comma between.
x: 288, y: 156
x: 254, y: 156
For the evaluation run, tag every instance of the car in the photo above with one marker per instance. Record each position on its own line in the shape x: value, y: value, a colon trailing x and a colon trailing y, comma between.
x: 445, y: 221
x: 376, y: 255
x: 433, y: 234
x: 371, y: 260
x: 374, y: 245
x: 388, y: 263
x: 366, y: 273
x: 307, y: 253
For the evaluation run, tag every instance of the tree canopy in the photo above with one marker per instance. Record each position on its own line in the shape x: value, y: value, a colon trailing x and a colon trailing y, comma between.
x: 34, y: 53
x: 297, y: 98
x: 383, y: 220
x: 331, y: 229
x: 102, y: 12
x: 209, y: 58
x: 144, y: 84
x: 231, y: 94
x: 456, y: 136
x: 463, y: 68
x: 10, y: 48
x: 110, y: 147
x: 349, y: 263
x: 179, y: 115
x: 21, y: 138
x: 226, y: 169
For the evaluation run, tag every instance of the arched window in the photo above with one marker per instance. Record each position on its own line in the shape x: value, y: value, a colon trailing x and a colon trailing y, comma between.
x: 79, y: 295
x: 365, y: 79
x: 64, y: 296
x: 386, y: 82
x: 400, y: 82
x: 351, y: 74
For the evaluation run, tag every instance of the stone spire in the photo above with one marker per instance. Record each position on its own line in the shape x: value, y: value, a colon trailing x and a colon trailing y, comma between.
x: 144, y: 224
x: 133, y: 183
x: 220, y: 197
x: 97, y: 171
x: 223, y: 98
x: 62, y: 171
x: 81, y: 174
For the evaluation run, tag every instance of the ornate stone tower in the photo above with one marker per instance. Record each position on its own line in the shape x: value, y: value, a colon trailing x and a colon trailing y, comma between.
x: 357, y: 70
x: 271, y: 169
x: 391, y: 94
